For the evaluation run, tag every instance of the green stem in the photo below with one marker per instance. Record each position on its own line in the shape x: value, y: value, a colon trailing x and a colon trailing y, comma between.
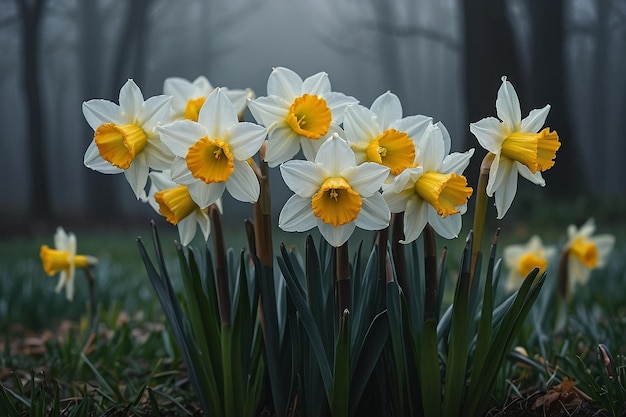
x: 221, y: 268
x: 480, y: 210
x: 343, y: 279
x: 562, y: 281
x: 397, y: 250
x: 263, y: 214
x: 430, y: 274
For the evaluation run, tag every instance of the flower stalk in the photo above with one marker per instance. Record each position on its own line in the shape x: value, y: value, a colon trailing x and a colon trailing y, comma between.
x: 480, y: 210
x: 342, y: 283
x: 221, y: 267
x: 263, y: 213
x: 397, y: 250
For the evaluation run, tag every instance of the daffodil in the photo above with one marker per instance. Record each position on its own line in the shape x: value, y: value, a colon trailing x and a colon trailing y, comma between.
x: 380, y: 134
x: 520, y: 146
x: 174, y: 202
x: 212, y: 154
x: 125, y: 139
x: 189, y: 96
x: 63, y: 259
x: 334, y: 194
x: 434, y: 191
x: 298, y: 114
x: 586, y: 252
x: 523, y: 258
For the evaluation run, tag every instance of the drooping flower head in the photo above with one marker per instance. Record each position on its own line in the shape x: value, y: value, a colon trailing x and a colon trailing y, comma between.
x: 174, y: 202
x: 212, y: 153
x: 586, y: 252
x: 380, y: 134
x: 125, y: 139
x: 63, y: 259
x: 298, y: 114
x: 434, y: 191
x: 189, y: 96
x: 520, y: 146
x: 523, y: 258
x: 334, y: 194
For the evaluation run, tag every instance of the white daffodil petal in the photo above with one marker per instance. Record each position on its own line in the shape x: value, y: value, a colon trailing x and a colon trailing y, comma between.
x: 181, y: 91
x: 137, y: 177
x: 505, y: 193
x: 415, y: 218
x: 187, y: 229
x: 181, y: 135
x: 388, y: 109
x: 360, y: 125
x: 367, y: 178
x: 158, y: 155
x: 335, y: 155
x: 297, y: 215
x: 155, y: 110
x: 432, y: 149
x: 535, y: 120
x: 507, y: 106
x: 202, y: 218
x: 500, y: 167
x: 245, y: 140
x: 180, y: 172
x: 604, y: 245
x: 489, y: 134
x: 447, y: 141
x: 397, y: 202
x: 285, y: 83
x: 217, y: 114
x: 282, y: 145
x: 337, y: 103
x: 131, y: 100
x: 205, y: 194
x: 98, y: 112
x: 243, y: 183
x: 302, y: 177
x: 535, y: 178
x: 93, y: 160
x: 61, y: 239
x: 336, y: 236
x: 239, y: 98
x: 456, y: 162
x: 374, y: 214
x: 447, y: 228
x: 415, y: 126
x: 310, y: 147
x: 316, y: 84
x: 268, y: 110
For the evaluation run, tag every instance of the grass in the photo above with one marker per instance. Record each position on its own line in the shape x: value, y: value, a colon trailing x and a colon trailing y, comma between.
x: 131, y: 366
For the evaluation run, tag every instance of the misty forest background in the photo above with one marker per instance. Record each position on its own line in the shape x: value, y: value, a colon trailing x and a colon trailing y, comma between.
x: 443, y: 58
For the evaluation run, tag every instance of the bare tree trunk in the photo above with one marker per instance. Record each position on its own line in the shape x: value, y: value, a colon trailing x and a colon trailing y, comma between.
x: 548, y: 86
x: 490, y: 53
x: 30, y: 14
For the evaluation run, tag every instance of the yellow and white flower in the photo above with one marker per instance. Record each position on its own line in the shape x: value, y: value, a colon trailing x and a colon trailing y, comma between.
x: 380, y: 134
x: 212, y: 154
x: 520, y: 146
x: 63, y: 259
x: 334, y: 194
x: 125, y: 139
x: 298, y: 114
x: 174, y: 202
x: 586, y: 252
x: 523, y: 258
x: 434, y: 191
x: 189, y: 96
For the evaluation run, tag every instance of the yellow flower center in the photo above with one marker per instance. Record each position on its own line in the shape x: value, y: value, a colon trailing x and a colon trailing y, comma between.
x: 336, y: 202
x: 175, y: 203
x: 120, y: 144
x: 393, y: 149
x: 309, y: 116
x: 535, y: 150
x: 530, y: 261
x: 210, y: 160
x: 445, y: 192
x: 55, y: 260
x: 586, y: 251
x: 192, y: 110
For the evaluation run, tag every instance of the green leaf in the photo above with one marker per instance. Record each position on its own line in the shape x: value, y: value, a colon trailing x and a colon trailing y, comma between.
x: 340, y: 395
x: 430, y: 374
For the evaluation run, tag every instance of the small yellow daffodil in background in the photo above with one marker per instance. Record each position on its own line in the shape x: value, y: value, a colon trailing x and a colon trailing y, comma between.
x: 585, y: 252
x: 380, y: 134
x: 189, y: 96
x: 298, y: 114
x: 434, y: 190
x: 125, y: 139
x: 174, y: 202
x: 63, y: 259
x: 334, y: 194
x: 212, y: 154
x: 518, y: 146
x: 521, y: 259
